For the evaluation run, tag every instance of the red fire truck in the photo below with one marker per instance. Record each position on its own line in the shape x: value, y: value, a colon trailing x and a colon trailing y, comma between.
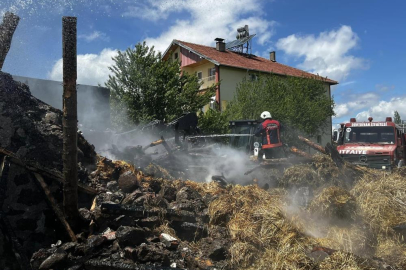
x: 379, y: 145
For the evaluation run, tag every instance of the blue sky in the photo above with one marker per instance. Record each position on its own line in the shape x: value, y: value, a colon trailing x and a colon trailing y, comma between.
x: 359, y: 43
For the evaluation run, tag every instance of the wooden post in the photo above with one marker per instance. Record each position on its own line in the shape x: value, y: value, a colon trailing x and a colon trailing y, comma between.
x: 55, y: 207
x: 7, y: 28
x: 315, y: 146
x: 69, y: 121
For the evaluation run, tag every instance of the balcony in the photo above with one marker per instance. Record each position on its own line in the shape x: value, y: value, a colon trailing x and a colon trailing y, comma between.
x: 207, y: 81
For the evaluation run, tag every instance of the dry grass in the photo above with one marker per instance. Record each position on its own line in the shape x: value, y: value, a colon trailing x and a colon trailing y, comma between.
x: 345, y: 261
x: 243, y: 254
x: 382, y: 200
x: 325, y: 167
x: 334, y: 203
x: 300, y: 176
x: 392, y: 249
x: 256, y: 222
x: 352, y: 222
x: 354, y: 239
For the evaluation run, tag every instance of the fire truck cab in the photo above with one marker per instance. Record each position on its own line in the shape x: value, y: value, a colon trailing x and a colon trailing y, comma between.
x: 379, y: 145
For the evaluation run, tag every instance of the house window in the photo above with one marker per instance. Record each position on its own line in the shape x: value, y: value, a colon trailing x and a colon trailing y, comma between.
x: 211, y: 74
x: 253, y: 77
x: 175, y: 55
x: 319, y: 139
x: 199, y: 75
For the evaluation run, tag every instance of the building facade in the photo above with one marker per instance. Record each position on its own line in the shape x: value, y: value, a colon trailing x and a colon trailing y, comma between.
x: 228, y: 68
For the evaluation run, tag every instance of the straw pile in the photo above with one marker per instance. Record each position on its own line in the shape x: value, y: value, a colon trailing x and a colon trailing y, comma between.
x: 300, y: 176
x: 262, y: 237
x: 382, y: 200
x: 320, y: 173
x: 334, y: 203
x: 353, y: 238
x: 342, y: 260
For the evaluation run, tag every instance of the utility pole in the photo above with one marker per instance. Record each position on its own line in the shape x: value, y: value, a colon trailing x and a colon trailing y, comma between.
x: 69, y: 121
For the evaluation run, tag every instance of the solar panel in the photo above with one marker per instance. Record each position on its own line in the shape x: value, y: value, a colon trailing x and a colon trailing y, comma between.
x: 239, y: 42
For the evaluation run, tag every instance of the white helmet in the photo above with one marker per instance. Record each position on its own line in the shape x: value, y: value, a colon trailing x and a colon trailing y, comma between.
x: 266, y: 115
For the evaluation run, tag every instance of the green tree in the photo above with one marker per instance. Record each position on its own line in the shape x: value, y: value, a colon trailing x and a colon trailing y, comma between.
x: 213, y: 122
x: 300, y: 103
x: 143, y: 87
x: 396, y: 118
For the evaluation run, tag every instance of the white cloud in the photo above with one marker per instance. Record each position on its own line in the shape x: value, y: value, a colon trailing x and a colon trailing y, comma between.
x: 92, y: 68
x: 94, y: 35
x: 208, y: 20
x: 356, y: 102
x: 384, y: 88
x: 348, y: 83
x: 384, y: 109
x: 154, y: 10
x: 327, y: 54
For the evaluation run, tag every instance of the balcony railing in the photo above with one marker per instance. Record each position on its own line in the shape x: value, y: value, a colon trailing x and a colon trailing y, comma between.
x: 207, y: 81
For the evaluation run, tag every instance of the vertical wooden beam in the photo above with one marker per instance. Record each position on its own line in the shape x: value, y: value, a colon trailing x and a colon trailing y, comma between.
x: 69, y: 121
x: 7, y: 28
x: 54, y: 206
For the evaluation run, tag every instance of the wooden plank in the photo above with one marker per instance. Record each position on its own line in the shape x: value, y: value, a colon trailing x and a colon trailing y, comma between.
x: 313, y: 145
x: 55, y: 207
x: 55, y: 175
x: 298, y: 152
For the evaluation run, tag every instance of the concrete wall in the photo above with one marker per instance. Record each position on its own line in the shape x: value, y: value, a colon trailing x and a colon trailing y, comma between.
x: 93, y: 101
x: 229, y: 79
x: 203, y: 67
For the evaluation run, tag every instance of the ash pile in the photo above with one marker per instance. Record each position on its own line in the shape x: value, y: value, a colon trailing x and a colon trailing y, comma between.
x: 136, y: 219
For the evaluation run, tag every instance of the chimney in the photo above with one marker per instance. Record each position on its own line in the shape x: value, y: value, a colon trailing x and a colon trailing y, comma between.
x: 272, y: 56
x: 220, y: 45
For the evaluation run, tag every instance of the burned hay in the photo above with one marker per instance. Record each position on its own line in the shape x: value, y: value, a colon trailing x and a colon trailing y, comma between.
x: 300, y: 176
x: 355, y: 239
x: 382, y: 200
x: 325, y: 167
x: 392, y: 250
x: 334, y: 203
x: 256, y: 221
x: 242, y: 255
x: 347, y: 261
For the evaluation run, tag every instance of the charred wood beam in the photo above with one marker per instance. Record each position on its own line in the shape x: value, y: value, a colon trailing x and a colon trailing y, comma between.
x: 155, y: 143
x: 167, y: 148
x: 69, y: 120
x: 106, y: 265
x: 7, y: 28
x: 141, y: 212
x: 54, y: 206
x: 313, y: 145
x: 298, y: 152
x: 55, y: 175
x: 335, y: 156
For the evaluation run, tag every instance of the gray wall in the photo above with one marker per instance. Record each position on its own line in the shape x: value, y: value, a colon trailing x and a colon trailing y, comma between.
x: 93, y: 101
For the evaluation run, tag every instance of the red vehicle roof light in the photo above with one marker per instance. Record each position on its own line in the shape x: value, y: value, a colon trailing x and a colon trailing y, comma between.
x: 388, y: 119
x: 353, y: 120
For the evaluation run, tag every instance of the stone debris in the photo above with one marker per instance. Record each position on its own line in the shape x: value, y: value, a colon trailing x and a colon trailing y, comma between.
x: 148, y: 219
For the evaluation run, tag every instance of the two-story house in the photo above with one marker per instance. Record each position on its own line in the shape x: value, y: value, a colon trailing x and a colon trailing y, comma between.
x: 217, y: 64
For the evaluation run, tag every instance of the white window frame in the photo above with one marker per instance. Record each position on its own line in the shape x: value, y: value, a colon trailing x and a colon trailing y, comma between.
x: 201, y: 75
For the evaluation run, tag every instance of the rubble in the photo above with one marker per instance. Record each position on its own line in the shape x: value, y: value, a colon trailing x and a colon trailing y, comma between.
x: 148, y: 219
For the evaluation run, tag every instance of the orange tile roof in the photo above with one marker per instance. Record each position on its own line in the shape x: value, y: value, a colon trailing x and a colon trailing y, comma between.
x: 233, y: 59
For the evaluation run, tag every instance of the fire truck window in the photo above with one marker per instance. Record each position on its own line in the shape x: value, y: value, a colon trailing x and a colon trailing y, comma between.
x: 385, y: 135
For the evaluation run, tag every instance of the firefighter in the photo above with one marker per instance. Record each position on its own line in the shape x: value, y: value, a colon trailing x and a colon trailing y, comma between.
x: 269, y: 130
